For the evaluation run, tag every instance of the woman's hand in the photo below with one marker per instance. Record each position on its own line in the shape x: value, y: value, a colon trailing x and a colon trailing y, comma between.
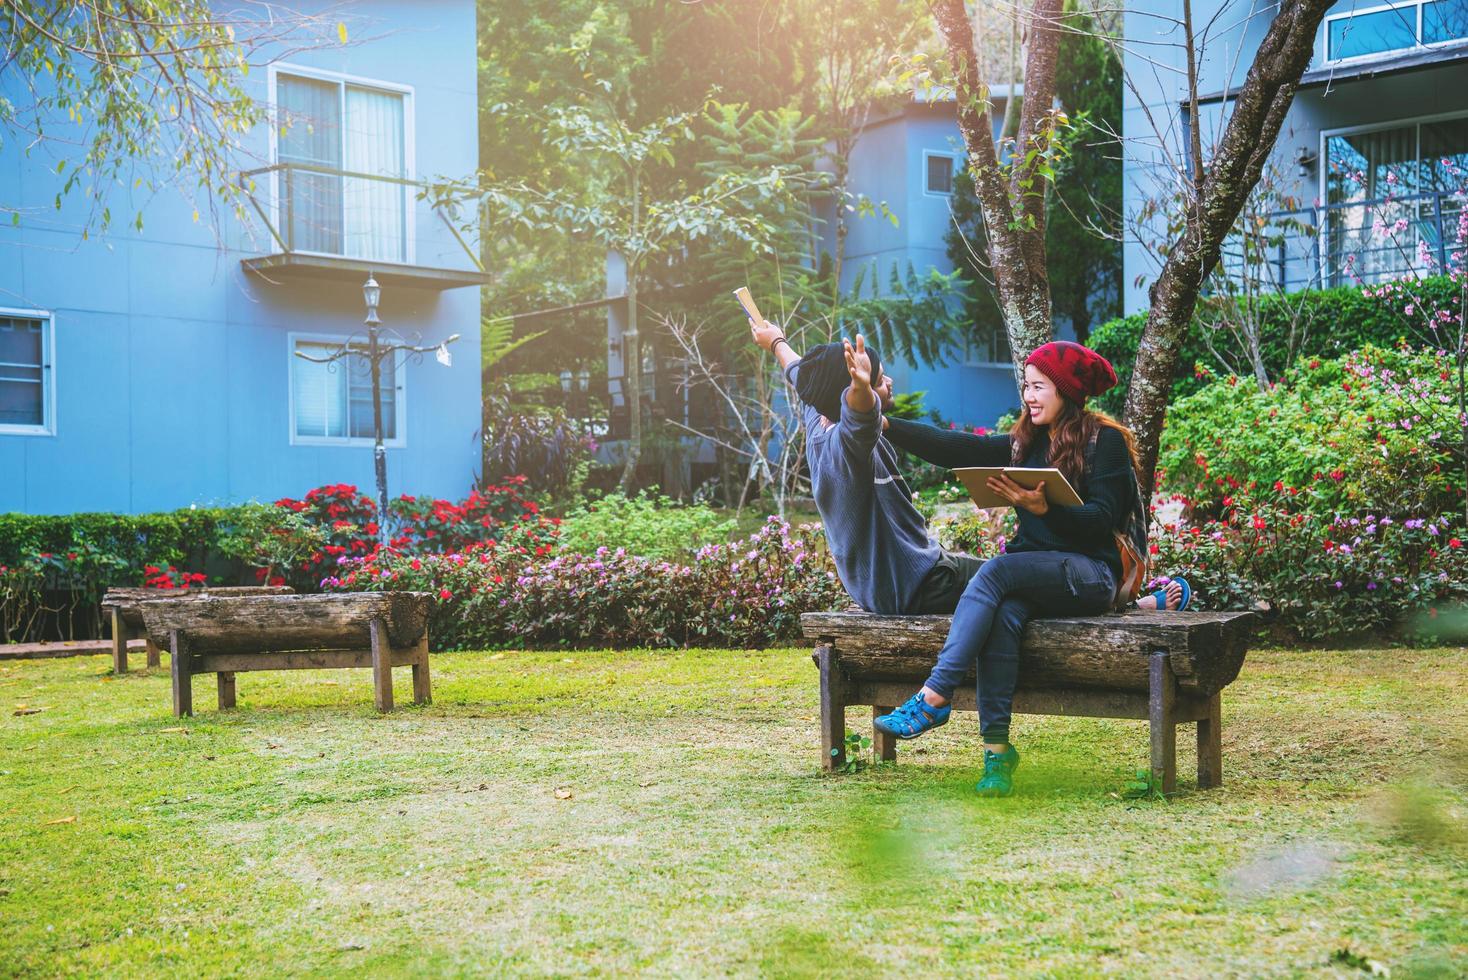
x: 1031, y: 500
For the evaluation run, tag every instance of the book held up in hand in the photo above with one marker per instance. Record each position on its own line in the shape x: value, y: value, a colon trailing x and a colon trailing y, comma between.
x: 1057, y: 489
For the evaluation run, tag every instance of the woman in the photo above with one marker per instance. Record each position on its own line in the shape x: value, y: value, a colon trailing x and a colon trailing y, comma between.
x: 1064, y: 560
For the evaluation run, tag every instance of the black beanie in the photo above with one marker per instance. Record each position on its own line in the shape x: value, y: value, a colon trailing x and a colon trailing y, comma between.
x: 823, y: 377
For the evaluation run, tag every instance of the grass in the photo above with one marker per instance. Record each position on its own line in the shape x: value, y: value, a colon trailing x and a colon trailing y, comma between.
x: 613, y: 813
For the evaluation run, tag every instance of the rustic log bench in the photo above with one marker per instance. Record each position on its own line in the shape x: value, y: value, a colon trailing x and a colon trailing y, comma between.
x: 1168, y: 668
x: 226, y: 635
x: 121, y: 606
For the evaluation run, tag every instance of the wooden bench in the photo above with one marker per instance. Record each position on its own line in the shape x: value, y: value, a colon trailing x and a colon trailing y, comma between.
x: 1168, y: 668
x: 226, y: 635
x: 121, y: 606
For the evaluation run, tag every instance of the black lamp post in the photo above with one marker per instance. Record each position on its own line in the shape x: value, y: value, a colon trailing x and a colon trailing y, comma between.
x: 376, y: 352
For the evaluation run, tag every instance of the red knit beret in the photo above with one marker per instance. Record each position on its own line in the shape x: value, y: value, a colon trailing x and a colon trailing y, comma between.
x: 1078, y: 372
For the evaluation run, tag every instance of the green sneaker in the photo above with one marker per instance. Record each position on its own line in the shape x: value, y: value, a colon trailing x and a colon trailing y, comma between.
x: 999, y: 770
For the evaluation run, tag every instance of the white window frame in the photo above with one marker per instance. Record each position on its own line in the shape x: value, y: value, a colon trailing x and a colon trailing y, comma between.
x: 48, y: 374
x: 952, y: 159
x: 400, y: 414
x: 1324, y: 161
x: 1416, y: 45
x: 410, y: 162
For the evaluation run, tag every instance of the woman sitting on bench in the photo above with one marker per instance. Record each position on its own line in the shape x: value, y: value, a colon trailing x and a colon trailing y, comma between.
x: 1064, y: 561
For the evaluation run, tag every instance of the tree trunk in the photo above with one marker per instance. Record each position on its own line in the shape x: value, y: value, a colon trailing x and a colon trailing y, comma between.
x: 1014, y: 214
x: 1258, y: 113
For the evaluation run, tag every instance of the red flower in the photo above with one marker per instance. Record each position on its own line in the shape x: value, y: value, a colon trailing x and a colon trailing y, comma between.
x: 445, y: 594
x: 416, y: 564
x: 276, y: 580
x: 1338, y: 475
x: 1259, y: 524
x: 372, y: 527
x: 1454, y: 543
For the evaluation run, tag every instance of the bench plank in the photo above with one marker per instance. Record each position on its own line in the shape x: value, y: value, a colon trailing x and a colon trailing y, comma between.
x: 1206, y: 649
x: 253, y: 623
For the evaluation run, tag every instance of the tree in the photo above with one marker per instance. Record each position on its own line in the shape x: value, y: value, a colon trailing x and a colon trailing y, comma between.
x: 624, y: 211
x: 109, y: 83
x: 1215, y: 188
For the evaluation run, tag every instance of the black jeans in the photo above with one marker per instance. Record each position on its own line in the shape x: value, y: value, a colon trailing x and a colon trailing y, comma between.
x: 1002, y: 597
x: 943, y: 587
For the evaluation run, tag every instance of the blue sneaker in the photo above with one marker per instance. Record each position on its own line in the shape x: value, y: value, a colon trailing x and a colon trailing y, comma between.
x: 912, y: 718
x: 999, y: 770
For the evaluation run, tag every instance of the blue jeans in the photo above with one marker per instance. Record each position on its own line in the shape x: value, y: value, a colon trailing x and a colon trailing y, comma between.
x: 1000, y: 599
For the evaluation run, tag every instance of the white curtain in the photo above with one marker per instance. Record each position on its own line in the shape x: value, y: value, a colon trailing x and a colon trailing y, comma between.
x: 375, y: 209
x: 311, y: 138
x: 320, y: 394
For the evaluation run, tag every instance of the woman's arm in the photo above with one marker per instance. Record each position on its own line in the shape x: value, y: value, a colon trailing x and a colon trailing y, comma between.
x: 1108, y: 493
x: 948, y: 447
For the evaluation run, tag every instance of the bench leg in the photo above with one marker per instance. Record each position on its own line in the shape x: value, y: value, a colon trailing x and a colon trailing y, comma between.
x: 119, y: 643
x: 833, y: 708
x: 1161, y: 696
x: 153, y: 652
x: 884, y: 744
x: 225, y: 681
x: 183, y: 679
x: 422, y: 688
x: 1210, y: 745
x: 381, y: 665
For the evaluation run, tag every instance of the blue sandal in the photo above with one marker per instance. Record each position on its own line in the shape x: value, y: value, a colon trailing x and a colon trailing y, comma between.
x: 912, y: 718
x: 1161, y: 595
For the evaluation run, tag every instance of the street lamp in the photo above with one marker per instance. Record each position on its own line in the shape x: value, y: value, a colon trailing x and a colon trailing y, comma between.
x: 376, y: 353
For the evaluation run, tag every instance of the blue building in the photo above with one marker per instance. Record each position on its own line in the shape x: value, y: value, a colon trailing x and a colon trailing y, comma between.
x: 153, y: 369
x: 1381, y: 112
x: 906, y: 157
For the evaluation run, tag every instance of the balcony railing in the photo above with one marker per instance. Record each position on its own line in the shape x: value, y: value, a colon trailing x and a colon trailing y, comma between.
x: 325, y: 221
x: 1342, y: 244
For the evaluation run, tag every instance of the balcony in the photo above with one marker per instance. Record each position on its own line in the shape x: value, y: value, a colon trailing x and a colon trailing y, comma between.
x: 1344, y: 244
x: 340, y: 225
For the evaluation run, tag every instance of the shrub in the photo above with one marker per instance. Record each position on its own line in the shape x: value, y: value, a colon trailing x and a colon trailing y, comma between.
x: 1329, y: 577
x: 1352, y: 429
x: 742, y: 594
x: 647, y: 525
x: 1335, y: 320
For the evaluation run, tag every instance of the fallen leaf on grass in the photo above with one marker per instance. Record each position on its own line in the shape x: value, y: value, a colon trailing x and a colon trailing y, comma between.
x: 173, y: 731
x: 647, y: 783
x: 63, y: 792
x: 27, y: 710
x: 563, y: 792
x: 498, y: 656
x: 59, y: 820
x: 349, y: 947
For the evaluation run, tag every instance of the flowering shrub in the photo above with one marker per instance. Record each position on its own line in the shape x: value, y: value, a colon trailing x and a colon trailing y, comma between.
x: 516, y: 593
x: 1329, y: 577
x: 340, y: 526
x: 1349, y: 429
x: 647, y: 525
x: 171, y: 578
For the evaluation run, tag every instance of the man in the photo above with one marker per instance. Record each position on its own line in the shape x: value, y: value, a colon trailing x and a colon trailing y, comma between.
x: 879, y: 541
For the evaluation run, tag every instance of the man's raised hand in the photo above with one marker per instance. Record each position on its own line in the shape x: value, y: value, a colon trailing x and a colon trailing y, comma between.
x: 764, y: 333
x: 858, y: 362
x: 859, y: 365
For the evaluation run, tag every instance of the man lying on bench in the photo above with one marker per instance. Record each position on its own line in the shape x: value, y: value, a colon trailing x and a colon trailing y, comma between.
x: 886, y: 559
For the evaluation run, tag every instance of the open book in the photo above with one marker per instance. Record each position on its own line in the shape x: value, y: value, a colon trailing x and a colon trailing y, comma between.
x: 1057, y: 489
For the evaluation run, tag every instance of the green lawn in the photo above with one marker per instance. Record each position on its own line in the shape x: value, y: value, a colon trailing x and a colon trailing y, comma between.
x: 306, y: 834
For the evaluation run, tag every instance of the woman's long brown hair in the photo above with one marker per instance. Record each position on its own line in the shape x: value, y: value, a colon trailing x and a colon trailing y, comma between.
x: 1069, y: 436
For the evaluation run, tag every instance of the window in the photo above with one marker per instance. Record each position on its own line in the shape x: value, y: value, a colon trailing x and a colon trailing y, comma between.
x: 1392, y: 195
x: 333, y: 402
x: 939, y: 174
x: 1394, y: 27
x: 26, y: 396
x: 990, y: 346
x: 328, y: 129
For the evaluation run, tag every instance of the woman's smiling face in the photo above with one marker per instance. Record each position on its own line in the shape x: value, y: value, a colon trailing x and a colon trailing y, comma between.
x: 1042, y: 401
